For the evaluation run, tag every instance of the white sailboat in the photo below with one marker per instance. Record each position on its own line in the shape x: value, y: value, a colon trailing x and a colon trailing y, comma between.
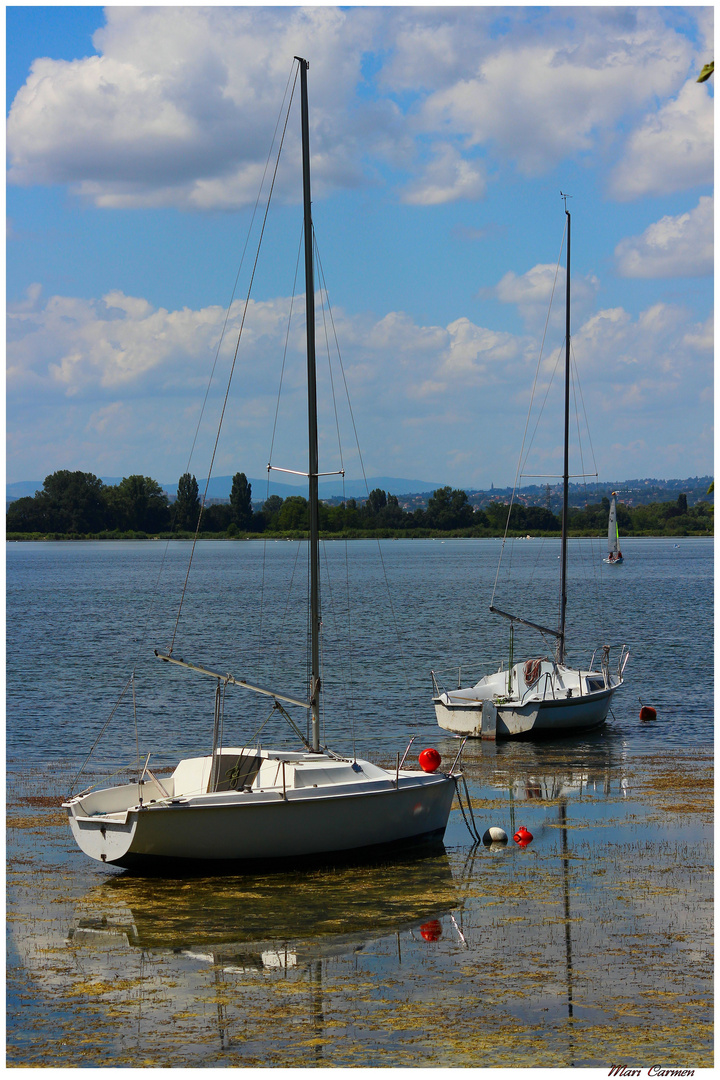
x: 543, y: 695
x: 238, y: 805
x: 614, y: 553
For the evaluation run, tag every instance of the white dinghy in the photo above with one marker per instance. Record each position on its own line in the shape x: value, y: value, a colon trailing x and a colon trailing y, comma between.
x: 239, y: 804
x: 542, y: 695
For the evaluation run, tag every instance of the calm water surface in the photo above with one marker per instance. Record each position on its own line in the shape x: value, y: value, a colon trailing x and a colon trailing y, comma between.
x: 589, y: 947
x: 77, y: 616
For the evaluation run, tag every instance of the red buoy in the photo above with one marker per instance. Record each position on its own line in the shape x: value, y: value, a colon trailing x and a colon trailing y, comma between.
x: 429, y: 760
x: 523, y: 836
x: 648, y: 713
x: 431, y: 931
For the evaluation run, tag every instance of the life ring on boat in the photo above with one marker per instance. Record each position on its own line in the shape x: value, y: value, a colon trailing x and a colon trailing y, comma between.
x: 531, y: 671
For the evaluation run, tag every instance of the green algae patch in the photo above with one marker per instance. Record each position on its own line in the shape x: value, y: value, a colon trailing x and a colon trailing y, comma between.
x: 589, y: 948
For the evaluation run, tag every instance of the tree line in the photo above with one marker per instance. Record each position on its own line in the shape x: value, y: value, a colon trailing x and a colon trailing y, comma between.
x: 79, y: 504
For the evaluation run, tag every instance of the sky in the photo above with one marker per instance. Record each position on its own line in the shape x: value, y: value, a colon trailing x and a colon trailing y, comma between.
x: 441, y: 139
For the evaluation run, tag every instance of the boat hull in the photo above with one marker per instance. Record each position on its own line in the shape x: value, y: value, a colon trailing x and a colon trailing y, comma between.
x: 253, y: 829
x: 553, y: 716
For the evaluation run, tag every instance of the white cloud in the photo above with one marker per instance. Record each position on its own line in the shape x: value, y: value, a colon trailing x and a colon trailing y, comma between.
x: 178, y: 105
x: 679, y: 246
x: 533, y: 291
x: 447, y: 178
x: 90, y: 375
x: 549, y: 90
x: 672, y: 150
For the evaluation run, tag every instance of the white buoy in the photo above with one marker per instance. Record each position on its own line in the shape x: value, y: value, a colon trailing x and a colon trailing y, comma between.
x: 494, y: 834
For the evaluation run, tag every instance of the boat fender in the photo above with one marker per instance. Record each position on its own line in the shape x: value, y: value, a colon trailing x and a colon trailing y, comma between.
x: 429, y: 760
x: 531, y: 671
x: 494, y: 835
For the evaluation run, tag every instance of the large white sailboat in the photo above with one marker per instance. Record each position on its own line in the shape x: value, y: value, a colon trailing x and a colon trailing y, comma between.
x: 240, y: 804
x: 544, y: 694
x: 615, y: 555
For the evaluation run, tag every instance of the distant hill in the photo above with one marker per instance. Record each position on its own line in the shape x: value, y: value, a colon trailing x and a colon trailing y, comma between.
x: 353, y: 489
x: 630, y: 492
x: 220, y: 487
x: 415, y: 492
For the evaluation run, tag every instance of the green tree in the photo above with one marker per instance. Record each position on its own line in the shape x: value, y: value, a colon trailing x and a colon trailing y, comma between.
x: 449, y: 509
x: 29, y: 514
x: 376, y: 500
x: 682, y: 503
x: 497, y: 515
x: 217, y: 518
x: 241, y: 501
x: 267, y: 518
x: 539, y: 518
x: 392, y: 516
x: 73, y: 502
x: 137, y: 503
x: 187, y: 503
x: 293, y: 514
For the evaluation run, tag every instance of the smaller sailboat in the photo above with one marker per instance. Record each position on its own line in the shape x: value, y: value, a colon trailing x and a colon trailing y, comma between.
x: 544, y: 695
x: 614, y: 553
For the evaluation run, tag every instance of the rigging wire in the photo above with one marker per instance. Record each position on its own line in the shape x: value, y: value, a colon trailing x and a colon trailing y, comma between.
x: 144, y: 633
x: 527, y: 422
x: 102, y: 730
x: 272, y: 445
x: 595, y: 561
x: 232, y: 366
x: 364, y: 475
x: 324, y: 298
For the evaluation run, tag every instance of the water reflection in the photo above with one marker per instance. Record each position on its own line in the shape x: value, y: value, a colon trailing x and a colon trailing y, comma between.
x: 257, y: 922
x: 544, y: 771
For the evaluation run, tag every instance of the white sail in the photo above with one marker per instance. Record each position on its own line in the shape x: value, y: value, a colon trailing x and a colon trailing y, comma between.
x: 612, y: 529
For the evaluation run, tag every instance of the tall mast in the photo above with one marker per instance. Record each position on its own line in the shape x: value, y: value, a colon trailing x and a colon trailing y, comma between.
x: 312, y: 419
x: 560, y: 649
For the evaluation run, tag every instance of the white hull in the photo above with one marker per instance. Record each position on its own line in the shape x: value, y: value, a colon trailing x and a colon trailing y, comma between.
x: 561, y: 700
x: 581, y: 714
x: 275, y: 823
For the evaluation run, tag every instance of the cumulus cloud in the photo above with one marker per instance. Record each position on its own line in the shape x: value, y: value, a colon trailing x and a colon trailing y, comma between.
x: 177, y: 106
x: 447, y: 178
x: 672, y: 150
x: 679, y: 246
x: 534, y: 290
x: 546, y: 93
x: 90, y: 373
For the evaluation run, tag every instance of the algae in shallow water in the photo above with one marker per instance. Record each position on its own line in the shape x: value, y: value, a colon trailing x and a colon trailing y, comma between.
x: 570, y: 947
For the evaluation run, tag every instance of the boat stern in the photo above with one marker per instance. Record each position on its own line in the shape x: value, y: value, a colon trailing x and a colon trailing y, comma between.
x: 476, y: 719
x: 104, y: 837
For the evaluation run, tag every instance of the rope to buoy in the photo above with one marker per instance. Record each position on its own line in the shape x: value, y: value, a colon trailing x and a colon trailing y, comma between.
x: 472, y: 829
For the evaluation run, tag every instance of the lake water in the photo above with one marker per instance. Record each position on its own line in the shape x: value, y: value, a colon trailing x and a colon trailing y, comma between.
x: 80, y: 615
x: 590, y: 947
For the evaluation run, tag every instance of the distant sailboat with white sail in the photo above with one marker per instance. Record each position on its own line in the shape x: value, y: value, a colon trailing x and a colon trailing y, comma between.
x: 615, y: 555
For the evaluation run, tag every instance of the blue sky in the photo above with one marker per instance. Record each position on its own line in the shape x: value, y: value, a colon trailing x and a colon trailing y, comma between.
x: 441, y: 138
